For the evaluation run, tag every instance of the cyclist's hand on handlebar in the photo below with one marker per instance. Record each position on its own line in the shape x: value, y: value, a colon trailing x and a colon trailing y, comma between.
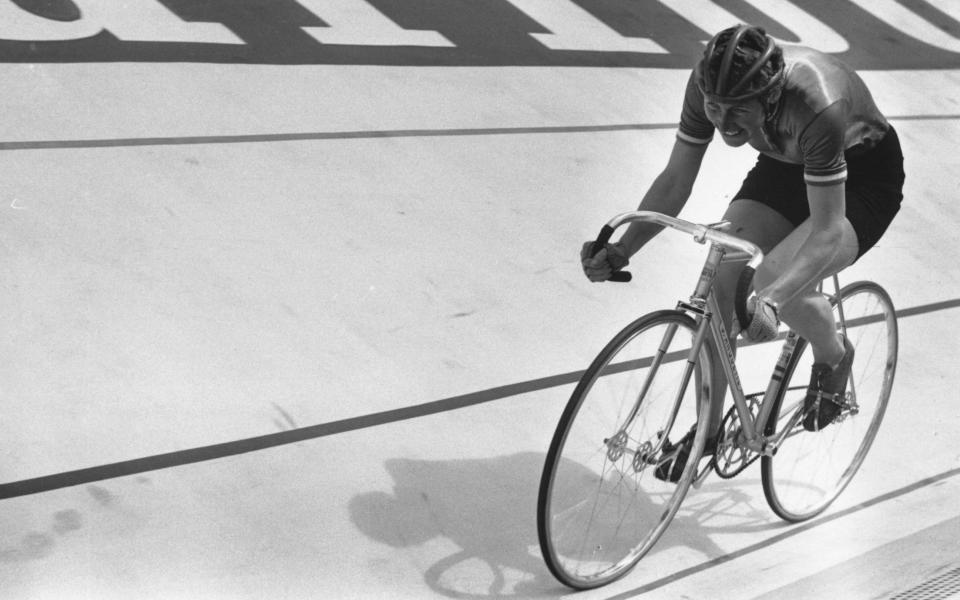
x: 602, y: 266
x: 764, y: 323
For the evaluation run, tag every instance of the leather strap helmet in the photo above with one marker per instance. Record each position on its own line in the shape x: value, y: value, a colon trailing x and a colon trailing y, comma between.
x: 739, y: 78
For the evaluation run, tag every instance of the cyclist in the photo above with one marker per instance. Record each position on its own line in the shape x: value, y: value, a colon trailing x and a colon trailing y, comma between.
x: 827, y: 183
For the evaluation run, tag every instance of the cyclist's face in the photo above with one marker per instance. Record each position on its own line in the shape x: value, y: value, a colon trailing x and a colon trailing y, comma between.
x: 737, y: 122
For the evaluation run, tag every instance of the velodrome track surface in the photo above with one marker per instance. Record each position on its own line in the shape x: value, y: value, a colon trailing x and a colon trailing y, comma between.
x: 304, y: 331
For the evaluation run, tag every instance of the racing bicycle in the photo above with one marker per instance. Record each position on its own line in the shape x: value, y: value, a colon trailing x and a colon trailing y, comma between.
x: 601, y: 506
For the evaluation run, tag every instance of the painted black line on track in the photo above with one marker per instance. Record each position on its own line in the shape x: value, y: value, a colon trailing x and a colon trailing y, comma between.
x: 321, y: 135
x: 167, y: 460
x: 353, y: 135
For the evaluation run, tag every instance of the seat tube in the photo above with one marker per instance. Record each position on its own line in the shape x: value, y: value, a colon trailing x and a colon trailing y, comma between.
x: 776, y: 380
x: 843, y: 319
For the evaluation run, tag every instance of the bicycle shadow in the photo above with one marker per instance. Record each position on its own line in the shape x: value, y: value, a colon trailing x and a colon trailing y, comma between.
x: 487, y: 509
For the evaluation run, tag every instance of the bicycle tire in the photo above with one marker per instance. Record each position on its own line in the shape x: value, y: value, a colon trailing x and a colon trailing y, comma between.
x: 810, y: 469
x: 599, y: 471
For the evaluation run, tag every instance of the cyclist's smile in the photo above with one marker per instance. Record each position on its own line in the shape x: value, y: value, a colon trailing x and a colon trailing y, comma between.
x: 737, y: 122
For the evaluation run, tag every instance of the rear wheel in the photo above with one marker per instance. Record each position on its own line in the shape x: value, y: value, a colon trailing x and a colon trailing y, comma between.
x: 810, y: 469
x: 601, y: 507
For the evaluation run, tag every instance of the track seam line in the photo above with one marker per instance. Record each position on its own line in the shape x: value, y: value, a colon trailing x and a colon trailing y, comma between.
x: 352, y: 135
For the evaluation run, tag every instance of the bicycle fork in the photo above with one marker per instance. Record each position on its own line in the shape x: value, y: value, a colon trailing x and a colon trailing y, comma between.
x: 699, y: 306
x: 647, y: 452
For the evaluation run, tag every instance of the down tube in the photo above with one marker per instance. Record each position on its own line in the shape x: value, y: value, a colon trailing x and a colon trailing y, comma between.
x: 703, y: 329
x: 728, y: 362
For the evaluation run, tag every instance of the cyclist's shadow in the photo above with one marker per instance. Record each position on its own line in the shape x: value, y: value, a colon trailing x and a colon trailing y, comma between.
x: 487, y: 509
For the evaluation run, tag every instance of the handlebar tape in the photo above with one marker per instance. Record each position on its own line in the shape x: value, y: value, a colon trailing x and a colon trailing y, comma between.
x: 605, y: 233
x: 740, y: 299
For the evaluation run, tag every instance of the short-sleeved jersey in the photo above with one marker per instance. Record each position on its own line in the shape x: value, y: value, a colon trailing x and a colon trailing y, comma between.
x: 825, y: 109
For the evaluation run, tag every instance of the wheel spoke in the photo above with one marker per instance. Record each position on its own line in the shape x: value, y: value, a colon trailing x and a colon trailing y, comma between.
x: 810, y: 469
x: 600, y: 507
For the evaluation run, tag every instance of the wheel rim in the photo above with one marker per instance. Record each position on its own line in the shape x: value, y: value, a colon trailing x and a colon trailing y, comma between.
x: 810, y: 469
x: 601, y: 507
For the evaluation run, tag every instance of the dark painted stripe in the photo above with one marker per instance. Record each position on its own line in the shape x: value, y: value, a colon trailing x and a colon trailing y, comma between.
x: 194, y: 455
x: 928, y: 308
x: 205, y: 453
x: 793, y: 531
x: 353, y: 135
x: 323, y: 135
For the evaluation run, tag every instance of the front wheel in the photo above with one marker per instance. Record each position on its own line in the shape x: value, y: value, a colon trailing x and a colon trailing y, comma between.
x: 601, y: 506
x: 810, y: 469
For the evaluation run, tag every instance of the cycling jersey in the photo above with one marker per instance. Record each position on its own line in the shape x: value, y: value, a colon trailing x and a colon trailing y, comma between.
x: 825, y: 110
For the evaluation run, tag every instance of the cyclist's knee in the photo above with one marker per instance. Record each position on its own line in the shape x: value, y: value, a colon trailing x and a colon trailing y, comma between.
x: 764, y: 276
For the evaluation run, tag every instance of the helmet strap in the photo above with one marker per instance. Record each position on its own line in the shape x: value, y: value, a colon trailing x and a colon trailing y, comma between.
x: 771, y: 101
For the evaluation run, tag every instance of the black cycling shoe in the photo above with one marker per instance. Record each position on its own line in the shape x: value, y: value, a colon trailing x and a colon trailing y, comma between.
x: 826, y: 392
x: 673, y: 457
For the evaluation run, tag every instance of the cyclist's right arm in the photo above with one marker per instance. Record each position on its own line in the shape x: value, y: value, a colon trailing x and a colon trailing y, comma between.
x: 668, y: 194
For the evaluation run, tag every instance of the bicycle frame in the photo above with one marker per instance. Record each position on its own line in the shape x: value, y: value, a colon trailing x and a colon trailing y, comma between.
x: 753, y: 438
x: 701, y: 234
x: 704, y: 307
x: 613, y: 481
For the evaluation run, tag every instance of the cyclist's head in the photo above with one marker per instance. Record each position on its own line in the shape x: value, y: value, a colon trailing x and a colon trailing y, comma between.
x: 741, y: 63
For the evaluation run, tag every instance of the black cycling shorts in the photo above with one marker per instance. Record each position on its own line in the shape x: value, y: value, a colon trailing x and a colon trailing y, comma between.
x: 874, y: 188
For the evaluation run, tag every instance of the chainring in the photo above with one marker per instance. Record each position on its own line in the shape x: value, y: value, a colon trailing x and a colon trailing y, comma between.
x: 731, y: 457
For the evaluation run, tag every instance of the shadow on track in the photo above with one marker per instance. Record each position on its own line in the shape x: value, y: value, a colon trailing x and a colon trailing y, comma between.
x: 487, y: 509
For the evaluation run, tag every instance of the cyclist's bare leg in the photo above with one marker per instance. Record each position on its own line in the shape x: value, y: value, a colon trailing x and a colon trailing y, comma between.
x: 810, y: 313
